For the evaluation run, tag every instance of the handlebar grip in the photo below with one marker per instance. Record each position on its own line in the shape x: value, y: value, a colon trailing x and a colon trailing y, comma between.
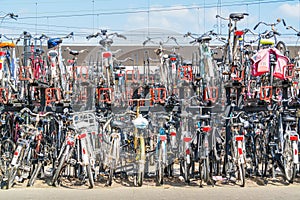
x: 255, y: 27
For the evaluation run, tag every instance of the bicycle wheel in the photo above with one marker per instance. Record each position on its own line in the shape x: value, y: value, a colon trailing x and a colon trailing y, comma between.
x: 110, y: 175
x: 141, y: 163
x: 261, y: 155
x: 159, y: 166
x: 7, y: 148
x: 241, y: 175
x: 90, y: 175
x: 35, y: 174
x: 204, y: 169
x: 6, y: 74
x: 185, y: 167
x: 113, y: 161
x: 281, y: 47
x: 11, y: 177
x: 288, y: 163
x: 59, y: 169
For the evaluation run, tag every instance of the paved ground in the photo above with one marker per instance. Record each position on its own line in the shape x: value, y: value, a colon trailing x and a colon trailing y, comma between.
x: 173, y: 189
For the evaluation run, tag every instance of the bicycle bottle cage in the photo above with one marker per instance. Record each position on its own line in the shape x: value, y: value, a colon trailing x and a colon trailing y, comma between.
x: 185, y: 73
x: 53, y: 42
x: 132, y: 76
x: 52, y: 95
x: 158, y: 95
x: 104, y: 95
x: 211, y: 94
x: 265, y: 93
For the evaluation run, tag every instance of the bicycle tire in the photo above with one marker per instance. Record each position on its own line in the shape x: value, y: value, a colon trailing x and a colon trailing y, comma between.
x: 261, y: 155
x: 289, y: 166
x: 6, y: 76
x: 7, y: 147
x: 35, y: 174
x: 281, y: 47
x: 159, y: 178
x: 11, y: 177
x: 204, y: 170
x: 112, y: 165
x: 59, y: 168
x: 242, y: 175
x: 141, y: 162
x: 90, y: 175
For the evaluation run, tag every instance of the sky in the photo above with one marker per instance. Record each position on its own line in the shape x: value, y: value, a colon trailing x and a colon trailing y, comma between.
x: 138, y: 19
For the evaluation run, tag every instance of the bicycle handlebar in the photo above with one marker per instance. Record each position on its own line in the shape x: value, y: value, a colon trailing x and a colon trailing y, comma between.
x: 234, y: 117
x: 27, y: 110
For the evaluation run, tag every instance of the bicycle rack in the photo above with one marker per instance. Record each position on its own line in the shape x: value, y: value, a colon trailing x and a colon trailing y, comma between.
x: 185, y: 73
x: 83, y: 94
x: 129, y: 93
x: 24, y: 73
x: 289, y: 71
x: 158, y: 95
x: 251, y: 89
x: 52, y: 95
x: 105, y: 95
x: 265, y: 93
x: 132, y: 76
x: 82, y: 73
x: 211, y: 94
x: 238, y: 75
x: 4, y: 93
x: 140, y: 102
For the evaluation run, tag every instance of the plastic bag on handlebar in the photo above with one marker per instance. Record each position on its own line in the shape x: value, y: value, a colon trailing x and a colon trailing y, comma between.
x: 53, y: 42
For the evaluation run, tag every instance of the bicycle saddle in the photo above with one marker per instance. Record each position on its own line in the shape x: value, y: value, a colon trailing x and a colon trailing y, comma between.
x: 204, y: 38
x: 289, y: 119
x: 74, y: 52
x: 236, y: 16
x: 117, y: 124
x: 39, y: 52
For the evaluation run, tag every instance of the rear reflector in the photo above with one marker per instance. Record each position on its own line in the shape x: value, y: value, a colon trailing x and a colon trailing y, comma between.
x: 206, y: 128
x: 239, y: 138
x: 240, y: 150
x: 163, y: 137
x: 16, y: 153
x: 294, y: 138
x: 81, y: 136
x: 106, y: 54
x: 173, y: 133
x: 188, y: 152
x: 187, y: 139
